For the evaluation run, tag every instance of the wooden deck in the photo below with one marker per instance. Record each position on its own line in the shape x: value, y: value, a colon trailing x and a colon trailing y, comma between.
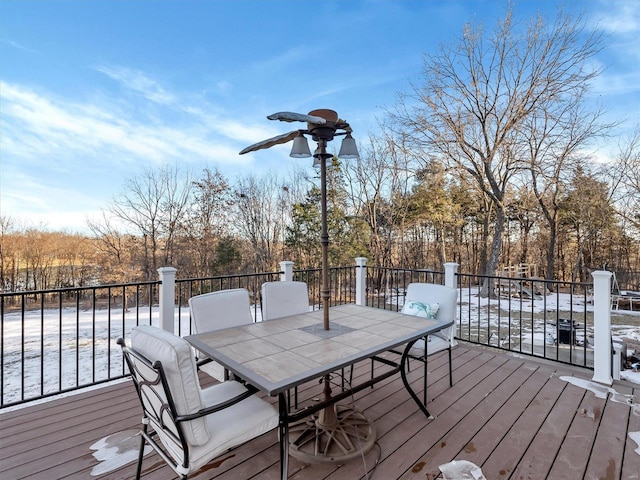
x: 513, y: 417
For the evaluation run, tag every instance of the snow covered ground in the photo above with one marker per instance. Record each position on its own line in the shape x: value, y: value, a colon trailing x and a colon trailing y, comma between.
x: 534, y: 322
x: 69, y: 348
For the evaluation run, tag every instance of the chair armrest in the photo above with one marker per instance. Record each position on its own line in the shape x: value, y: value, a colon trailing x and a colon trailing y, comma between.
x: 251, y: 390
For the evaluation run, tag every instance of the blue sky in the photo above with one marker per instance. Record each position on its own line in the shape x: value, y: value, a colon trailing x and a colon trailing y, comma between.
x: 93, y: 92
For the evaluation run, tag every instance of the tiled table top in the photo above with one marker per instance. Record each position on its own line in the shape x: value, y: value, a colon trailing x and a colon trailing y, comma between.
x: 279, y: 354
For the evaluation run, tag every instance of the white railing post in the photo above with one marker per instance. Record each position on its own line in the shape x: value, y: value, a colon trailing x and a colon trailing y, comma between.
x: 602, y: 327
x: 450, y: 270
x: 286, y: 267
x: 361, y: 281
x: 167, y: 298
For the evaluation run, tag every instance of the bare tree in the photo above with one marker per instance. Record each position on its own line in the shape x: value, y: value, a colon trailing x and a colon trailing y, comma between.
x: 258, y: 217
x: 151, y: 205
x: 476, y: 95
x: 119, y: 251
x: 9, y: 258
x: 175, y: 205
x: 624, y: 175
x: 377, y: 185
x: 206, y: 222
x: 556, y: 138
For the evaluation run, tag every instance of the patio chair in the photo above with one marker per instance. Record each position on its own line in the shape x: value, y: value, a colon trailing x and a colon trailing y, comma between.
x: 186, y: 425
x: 430, y: 300
x: 429, y: 295
x: 217, y: 310
x: 281, y: 299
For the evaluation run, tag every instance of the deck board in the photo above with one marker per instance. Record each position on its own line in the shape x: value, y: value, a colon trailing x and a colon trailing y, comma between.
x: 481, y: 445
x: 540, y: 454
x: 574, y: 452
x: 609, y: 443
x: 465, y: 418
x: 512, y: 416
x: 507, y: 455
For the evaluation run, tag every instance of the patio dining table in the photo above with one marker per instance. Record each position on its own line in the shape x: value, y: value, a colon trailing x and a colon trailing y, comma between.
x: 278, y: 355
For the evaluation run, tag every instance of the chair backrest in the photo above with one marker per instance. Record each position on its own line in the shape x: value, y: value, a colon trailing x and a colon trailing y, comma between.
x: 164, y: 370
x: 432, y: 293
x: 280, y: 299
x: 221, y: 309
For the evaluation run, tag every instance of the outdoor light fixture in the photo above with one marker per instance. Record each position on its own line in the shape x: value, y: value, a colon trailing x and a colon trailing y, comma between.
x: 322, y: 125
x: 300, y: 148
x: 348, y: 148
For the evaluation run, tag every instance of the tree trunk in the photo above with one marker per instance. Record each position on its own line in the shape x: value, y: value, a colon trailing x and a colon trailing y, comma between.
x: 484, y: 264
x: 551, y: 254
x: 442, y: 244
x: 494, y: 254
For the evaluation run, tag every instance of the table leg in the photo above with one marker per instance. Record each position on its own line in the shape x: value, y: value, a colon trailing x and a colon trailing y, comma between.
x: 403, y: 375
x: 283, y: 433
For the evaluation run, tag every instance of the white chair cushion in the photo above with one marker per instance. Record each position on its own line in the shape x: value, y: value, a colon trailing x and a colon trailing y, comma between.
x: 178, y: 362
x: 234, y: 425
x: 280, y: 299
x: 435, y: 343
x: 425, y: 294
x: 217, y: 310
x: 229, y: 427
x: 445, y: 297
x: 221, y: 309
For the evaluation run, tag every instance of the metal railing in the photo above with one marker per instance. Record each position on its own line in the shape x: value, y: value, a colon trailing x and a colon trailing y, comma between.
x: 56, y: 341
x: 547, y: 319
x: 386, y: 287
x: 541, y: 318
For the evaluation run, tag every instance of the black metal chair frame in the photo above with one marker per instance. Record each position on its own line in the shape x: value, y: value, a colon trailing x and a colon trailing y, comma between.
x: 423, y: 359
x: 165, y: 416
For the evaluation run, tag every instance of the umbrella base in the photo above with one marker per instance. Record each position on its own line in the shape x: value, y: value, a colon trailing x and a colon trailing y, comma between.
x: 336, y: 435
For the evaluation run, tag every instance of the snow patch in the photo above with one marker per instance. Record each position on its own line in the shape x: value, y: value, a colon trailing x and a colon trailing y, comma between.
x: 116, y: 450
x: 602, y: 391
x: 630, y: 376
x: 635, y: 436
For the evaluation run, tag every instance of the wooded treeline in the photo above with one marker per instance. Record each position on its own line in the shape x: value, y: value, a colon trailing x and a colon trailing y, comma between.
x: 485, y: 162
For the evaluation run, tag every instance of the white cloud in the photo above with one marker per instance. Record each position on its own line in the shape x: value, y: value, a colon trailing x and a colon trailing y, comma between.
x: 35, y: 125
x: 17, y: 45
x: 58, y: 152
x: 612, y: 83
x: 620, y: 17
x: 620, y: 21
x: 138, y: 82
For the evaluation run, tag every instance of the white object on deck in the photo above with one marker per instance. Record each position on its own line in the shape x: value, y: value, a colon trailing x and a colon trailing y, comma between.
x: 461, y: 470
x: 116, y: 450
x: 635, y: 436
